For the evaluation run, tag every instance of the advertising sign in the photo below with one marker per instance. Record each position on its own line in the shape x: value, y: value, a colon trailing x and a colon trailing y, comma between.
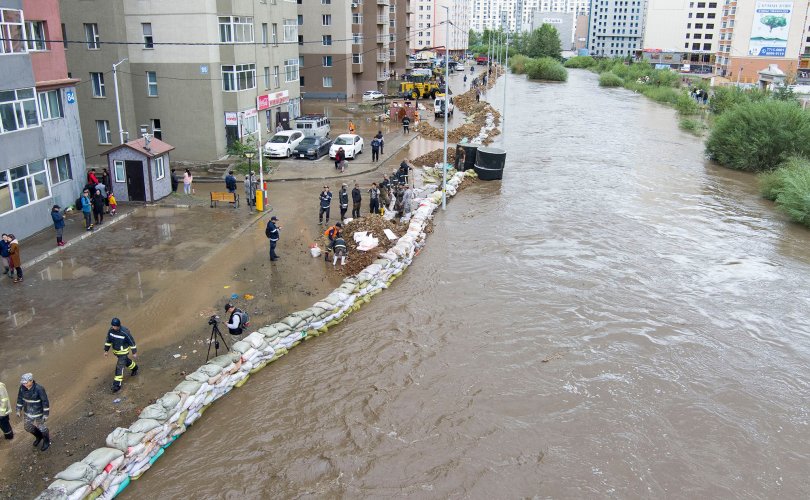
x: 267, y: 101
x: 231, y: 119
x: 769, y: 34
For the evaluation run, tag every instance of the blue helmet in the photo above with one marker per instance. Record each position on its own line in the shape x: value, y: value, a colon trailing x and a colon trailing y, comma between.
x: 115, y: 322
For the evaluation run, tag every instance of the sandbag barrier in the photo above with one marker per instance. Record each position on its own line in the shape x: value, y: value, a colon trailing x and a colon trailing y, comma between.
x: 131, y: 451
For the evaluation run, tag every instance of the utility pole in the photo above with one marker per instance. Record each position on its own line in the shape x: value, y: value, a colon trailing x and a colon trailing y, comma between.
x: 117, y: 99
x: 505, y: 75
x: 446, y: 100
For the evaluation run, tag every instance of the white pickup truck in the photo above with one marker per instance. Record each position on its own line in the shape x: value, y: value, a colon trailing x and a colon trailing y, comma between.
x: 438, y: 106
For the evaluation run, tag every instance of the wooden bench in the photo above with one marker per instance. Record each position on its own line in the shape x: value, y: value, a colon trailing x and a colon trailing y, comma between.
x: 224, y: 197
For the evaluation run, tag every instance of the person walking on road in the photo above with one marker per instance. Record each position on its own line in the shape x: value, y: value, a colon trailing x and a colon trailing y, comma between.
x: 325, y: 204
x: 87, y: 209
x: 406, y: 125
x: 352, y: 128
x: 5, y: 411
x: 120, y: 340
x: 14, y: 257
x: 4, y: 256
x: 32, y: 401
x: 187, y: 178
x: 175, y: 182
x: 230, y: 185
x: 356, y: 199
x: 343, y: 200
x: 375, y: 149
x: 98, y: 207
x: 382, y: 141
x: 272, y: 233
x: 374, y: 199
x: 58, y: 224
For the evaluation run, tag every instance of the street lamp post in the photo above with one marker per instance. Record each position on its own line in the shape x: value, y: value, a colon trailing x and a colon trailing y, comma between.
x: 446, y: 100
x: 117, y: 101
x: 506, y: 65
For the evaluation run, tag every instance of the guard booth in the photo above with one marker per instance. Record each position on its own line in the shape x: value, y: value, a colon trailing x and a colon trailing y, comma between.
x: 140, y: 170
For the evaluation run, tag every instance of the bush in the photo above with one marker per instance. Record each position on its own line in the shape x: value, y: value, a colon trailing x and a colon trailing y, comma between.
x: 726, y: 98
x: 610, y: 79
x: 546, y: 68
x: 794, y: 197
x: 772, y: 183
x: 518, y: 64
x: 664, y: 95
x: 686, y: 105
x: 758, y: 136
x: 580, y: 62
x: 692, y: 125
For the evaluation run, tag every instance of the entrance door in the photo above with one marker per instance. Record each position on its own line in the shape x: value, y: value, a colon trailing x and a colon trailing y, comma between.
x: 231, y: 134
x: 135, y: 186
x: 283, y: 118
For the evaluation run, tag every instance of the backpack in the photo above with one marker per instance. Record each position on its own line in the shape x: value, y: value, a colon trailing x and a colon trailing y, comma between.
x: 244, y: 318
x: 79, y: 203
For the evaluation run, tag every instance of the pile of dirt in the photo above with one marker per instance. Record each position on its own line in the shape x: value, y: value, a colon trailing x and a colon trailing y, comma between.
x: 434, y: 157
x: 375, y: 224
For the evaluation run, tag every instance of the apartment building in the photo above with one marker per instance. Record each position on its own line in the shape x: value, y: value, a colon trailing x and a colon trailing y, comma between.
x: 42, y: 163
x: 428, y: 26
x: 757, y: 33
x: 517, y: 14
x: 616, y: 27
x: 362, y: 44
x: 563, y: 22
x: 688, y: 28
x: 190, y: 71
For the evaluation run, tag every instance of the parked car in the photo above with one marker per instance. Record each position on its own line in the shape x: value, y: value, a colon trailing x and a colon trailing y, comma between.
x: 460, y: 67
x: 312, y: 148
x: 282, y: 144
x: 372, y: 95
x: 313, y: 125
x: 352, y: 145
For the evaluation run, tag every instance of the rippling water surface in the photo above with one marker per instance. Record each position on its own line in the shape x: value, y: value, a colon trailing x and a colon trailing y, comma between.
x: 617, y: 318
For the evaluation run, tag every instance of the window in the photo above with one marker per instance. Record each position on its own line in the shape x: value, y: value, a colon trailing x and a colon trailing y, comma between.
x: 276, y: 82
x: 291, y: 70
x: 103, y: 129
x: 11, y: 31
x: 327, y: 61
x: 91, y: 36
x: 234, y: 29
x: 326, y: 20
x: 18, y: 110
x: 267, y: 77
x: 151, y: 84
x: 60, y: 169
x: 36, y: 36
x: 274, y: 34
x: 290, y: 30
x: 264, y: 34
x: 157, y: 132
x: 357, y: 18
x: 327, y: 39
x: 300, y: 20
x: 23, y: 185
x: 357, y: 58
x: 238, y: 77
x: 160, y: 169
x: 50, y: 105
x: 64, y: 36
x: 148, y: 41
x: 357, y: 38
x: 326, y: 2
x: 118, y: 171
x: 327, y: 81
x: 99, y: 90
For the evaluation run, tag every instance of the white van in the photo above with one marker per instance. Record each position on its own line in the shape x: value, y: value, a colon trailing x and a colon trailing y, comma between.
x: 438, y: 106
x: 313, y: 125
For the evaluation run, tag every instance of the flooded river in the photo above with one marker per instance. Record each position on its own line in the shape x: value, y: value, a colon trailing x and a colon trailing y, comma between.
x: 617, y: 318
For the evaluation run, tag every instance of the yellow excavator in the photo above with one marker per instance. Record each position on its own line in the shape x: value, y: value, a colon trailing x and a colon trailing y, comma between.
x: 416, y: 90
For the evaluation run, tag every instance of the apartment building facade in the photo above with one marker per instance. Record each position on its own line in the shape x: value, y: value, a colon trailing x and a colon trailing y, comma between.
x: 430, y: 31
x: 757, y: 33
x: 517, y: 14
x: 190, y: 72
x: 42, y: 162
x: 362, y: 44
x: 616, y: 27
x: 688, y: 28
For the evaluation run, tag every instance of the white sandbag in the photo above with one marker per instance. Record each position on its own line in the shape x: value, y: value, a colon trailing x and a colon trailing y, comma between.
x: 315, y: 251
x: 144, y: 425
x: 281, y: 327
x: 240, y: 347
x: 170, y: 400
x: 291, y: 321
x: 79, y: 471
x: 268, y: 331
x: 101, y: 457
x: 60, y: 486
x: 156, y: 412
x: 197, y: 376
x: 188, y: 387
x: 210, y: 370
x: 122, y: 438
x: 225, y: 359
x: 255, y: 339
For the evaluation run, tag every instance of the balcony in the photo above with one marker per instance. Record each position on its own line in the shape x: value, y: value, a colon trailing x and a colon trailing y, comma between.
x: 382, y: 20
x: 382, y: 57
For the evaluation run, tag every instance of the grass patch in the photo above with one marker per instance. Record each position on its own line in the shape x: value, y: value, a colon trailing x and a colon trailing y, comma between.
x: 610, y: 79
x: 759, y: 136
x: 793, y: 197
x: 692, y: 125
x: 664, y: 95
x: 687, y: 106
x: 546, y: 68
x: 518, y: 64
x: 580, y: 62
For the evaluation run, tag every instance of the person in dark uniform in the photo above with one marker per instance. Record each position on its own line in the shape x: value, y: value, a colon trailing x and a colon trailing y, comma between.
x: 122, y: 343
x: 271, y: 231
x: 356, y: 199
x: 325, y: 199
x: 343, y: 200
x: 32, y: 401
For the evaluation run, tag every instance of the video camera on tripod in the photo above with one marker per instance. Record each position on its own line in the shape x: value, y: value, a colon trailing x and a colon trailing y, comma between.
x: 216, y: 336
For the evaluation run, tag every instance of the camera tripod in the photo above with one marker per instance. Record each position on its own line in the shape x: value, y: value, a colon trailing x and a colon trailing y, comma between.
x: 213, y: 340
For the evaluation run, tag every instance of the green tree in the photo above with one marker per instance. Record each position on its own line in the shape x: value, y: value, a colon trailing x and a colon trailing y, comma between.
x: 475, y: 38
x: 784, y: 93
x: 774, y: 22
x: 544, y: 42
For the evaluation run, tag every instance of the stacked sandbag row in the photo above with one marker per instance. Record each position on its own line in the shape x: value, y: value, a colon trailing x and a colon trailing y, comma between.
x: 131, y: 451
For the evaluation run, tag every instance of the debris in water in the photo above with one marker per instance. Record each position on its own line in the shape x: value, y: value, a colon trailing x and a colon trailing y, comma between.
x: 117, y: 400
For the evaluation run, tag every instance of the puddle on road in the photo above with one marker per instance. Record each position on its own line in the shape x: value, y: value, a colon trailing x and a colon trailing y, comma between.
x: 65, y: 270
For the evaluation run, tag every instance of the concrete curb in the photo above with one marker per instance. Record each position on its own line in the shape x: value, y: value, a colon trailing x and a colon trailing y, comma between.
x: 73, y: 241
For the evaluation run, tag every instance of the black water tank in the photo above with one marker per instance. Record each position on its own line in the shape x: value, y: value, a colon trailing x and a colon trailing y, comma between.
x: 489, y: 163
x: 469, y: 151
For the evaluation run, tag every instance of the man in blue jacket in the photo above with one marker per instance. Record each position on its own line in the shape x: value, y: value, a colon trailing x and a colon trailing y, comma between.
x: 325, y: 204
x: 271, y: 231
x: 58, y: 224
x: 5, y: 256
x: 87, y: 209
x: 230, y: 185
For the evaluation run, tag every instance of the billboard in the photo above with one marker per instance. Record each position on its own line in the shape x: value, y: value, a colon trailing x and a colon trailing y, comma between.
x: 769, y: 33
